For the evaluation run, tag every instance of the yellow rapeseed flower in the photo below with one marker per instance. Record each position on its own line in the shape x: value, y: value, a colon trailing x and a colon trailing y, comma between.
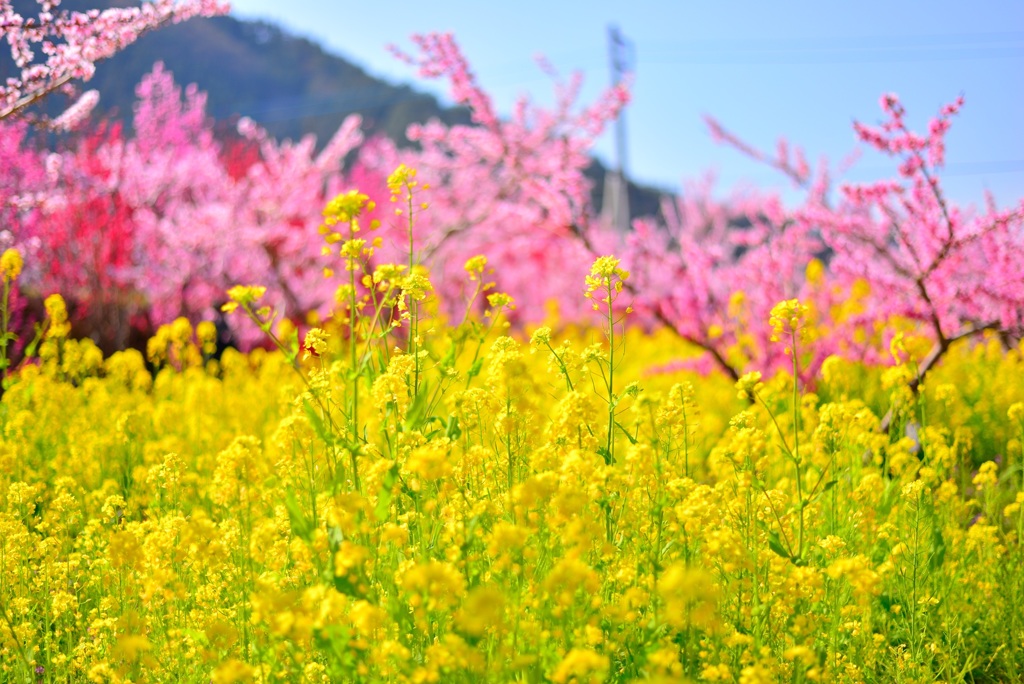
x: 987, y: 475
x: 482, y: 612
x: 787, y: 317
x: 315, y: 343
x: 475, y: 267
x: 11, y: 264
x: 541, y: 337
x: 748, y: 385
x: 244, y: 296
x: 606, y: 276
x: 690, y: 597
x: 206, y: 333
x: 435, y: 584
x: 57, y: 313
x: 582, y: 665
x: 402, y: 176
x: 233, y: 671
x: 346, y: 207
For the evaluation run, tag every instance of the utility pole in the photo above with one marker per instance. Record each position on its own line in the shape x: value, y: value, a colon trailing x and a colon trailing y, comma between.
x: 616, y: 187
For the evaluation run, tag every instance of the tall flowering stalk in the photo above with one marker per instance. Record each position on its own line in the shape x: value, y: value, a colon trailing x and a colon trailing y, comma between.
x: 604, y: 285
x: 403, y: 186
x: 347, y: 209
x: 11, y: 264
x: 788, y: 321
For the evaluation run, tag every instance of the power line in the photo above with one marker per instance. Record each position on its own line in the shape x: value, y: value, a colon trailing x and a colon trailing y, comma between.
x: 839, y: 50
x: 850, y: 42
x: 767, y: 59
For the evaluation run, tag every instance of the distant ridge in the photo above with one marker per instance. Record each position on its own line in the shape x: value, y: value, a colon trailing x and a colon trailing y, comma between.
x: 290, y: 85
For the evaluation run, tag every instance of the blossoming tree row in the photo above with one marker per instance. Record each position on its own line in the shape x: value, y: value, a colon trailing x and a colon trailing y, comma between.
x: 137, y: 230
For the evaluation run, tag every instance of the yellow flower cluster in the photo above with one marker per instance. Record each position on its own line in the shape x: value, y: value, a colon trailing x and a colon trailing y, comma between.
x: 402, y: 185
x: 789, y: 321
x: 607, y: 279
x: 787, y: 317
x: 346, y: 208
x: 11, y: 263
x: 244, y: 296
x: 456, y: 509
x: 58, y: 325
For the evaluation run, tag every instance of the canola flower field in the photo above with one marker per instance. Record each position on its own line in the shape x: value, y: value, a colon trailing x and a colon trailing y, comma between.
x: 404, y: 499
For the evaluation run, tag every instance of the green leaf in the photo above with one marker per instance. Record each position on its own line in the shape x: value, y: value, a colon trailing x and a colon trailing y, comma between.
x: 382, y: 510
x: 198, y: 635
x: 448, y: 360
x: 416, y: 416
x: 775, y: 544
x: 474, y: 370
x: 630, y: 437
x: 33, y: 346
x: 313, y: 413
x: 436, y: 431
x: 302, y: 527
x: 452, y: 430
x: 938, y: 551
x: 293, y: 344
x: 828, y: 485
x: 345, y: 586
x: 267, y: 324
x: 334, y: 538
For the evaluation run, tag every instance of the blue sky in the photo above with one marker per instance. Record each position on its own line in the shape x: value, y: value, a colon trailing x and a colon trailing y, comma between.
x: 802, y: 70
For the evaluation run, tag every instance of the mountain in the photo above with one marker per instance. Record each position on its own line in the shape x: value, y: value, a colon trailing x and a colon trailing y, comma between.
x: 290, y: 85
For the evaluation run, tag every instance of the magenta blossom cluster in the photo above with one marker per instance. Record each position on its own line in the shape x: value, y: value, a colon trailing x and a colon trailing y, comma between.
x: 136, y: 232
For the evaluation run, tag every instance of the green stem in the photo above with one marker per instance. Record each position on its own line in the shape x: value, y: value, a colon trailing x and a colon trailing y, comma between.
x: 686, y: 441
x: 565, y: 371
x: 508, y: 444
x: 913, y: 596
x: 354, y: 360
x: 17, y: 641
x: 611, y: 376
x: 796, y: 442
x: 6, y: 319
x: 413, y: 310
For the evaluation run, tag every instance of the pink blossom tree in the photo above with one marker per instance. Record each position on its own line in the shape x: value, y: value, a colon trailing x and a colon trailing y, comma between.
x: 52, y: 50
x: 898, y: 246
x: 166, y: 221
x: 515, y: 190
x: 512, y: 189
x: 57, y: 47
x: 186, y: 215
x: 955, y: 271
x: 714, y: 270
